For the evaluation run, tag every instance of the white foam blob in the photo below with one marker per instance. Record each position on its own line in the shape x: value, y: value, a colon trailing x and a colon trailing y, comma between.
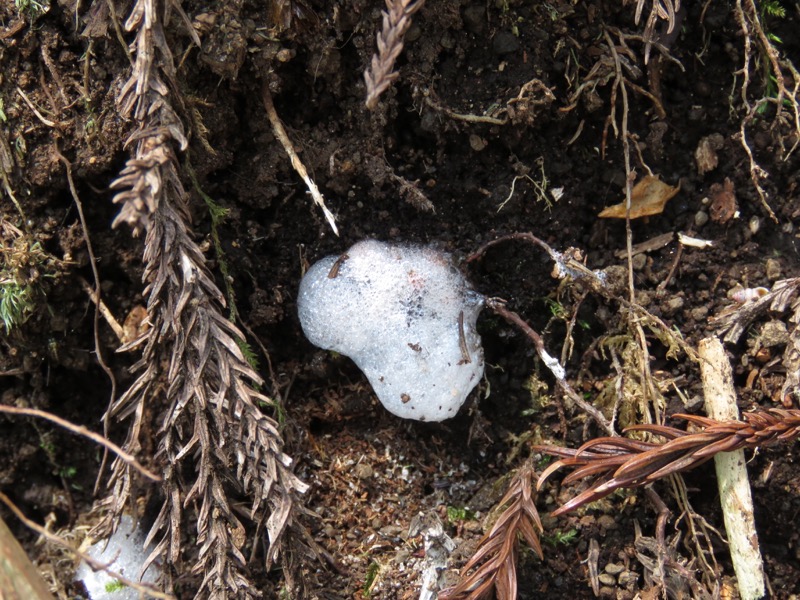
x: 406, y: 316
x: 125, y: 554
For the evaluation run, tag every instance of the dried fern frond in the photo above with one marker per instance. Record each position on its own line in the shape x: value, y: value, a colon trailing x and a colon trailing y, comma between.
x: 494, y: 564
x: 396, y: 21
x: 214, y: 443
x: 625, y: 463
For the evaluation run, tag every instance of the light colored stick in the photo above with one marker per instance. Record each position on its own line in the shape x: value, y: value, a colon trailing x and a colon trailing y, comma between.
x: 280, y: 133
x: 734, y: 486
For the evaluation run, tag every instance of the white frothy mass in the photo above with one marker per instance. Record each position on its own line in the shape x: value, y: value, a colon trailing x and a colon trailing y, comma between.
x: 406, y: 316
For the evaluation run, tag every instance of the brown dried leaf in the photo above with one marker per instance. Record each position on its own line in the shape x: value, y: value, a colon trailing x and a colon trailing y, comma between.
x: 648, y: 197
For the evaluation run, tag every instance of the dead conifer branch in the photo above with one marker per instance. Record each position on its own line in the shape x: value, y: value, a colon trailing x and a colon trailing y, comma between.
x: 494, y: 564
x: 396, y: 21
x: 297, y: 164
x: 214, y: 441
x: 627, y: 463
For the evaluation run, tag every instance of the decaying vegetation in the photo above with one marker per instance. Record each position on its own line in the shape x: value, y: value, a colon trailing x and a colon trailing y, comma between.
x: 198, y: 412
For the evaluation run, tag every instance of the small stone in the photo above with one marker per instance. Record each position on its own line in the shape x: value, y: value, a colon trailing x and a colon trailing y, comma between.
x: 639, y: 261
x: 413, y: 34
x: 754, y: 224
x: 674, y: 304
x: 606, y: 522
x: 363, y: 471
x: 477, y: 143
x: 701, y: 218
x: 773, y: 268
x: 700, y: 313
x: 505, y: 42
x: 773, y: 333
x: 614, y: 568
x: 607, y: 579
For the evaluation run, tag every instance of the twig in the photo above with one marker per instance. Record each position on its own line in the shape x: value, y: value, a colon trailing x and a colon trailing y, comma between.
x: 280, y: 133
x: 734, y: 486
x: 35, y: 110
x: 499, y: 307
x: 81, y: 430
x: 104, y: 310
x: 18, y: 577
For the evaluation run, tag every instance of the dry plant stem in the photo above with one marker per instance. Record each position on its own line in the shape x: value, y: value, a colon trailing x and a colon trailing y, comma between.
x: 499, y: 307
x: 81, y: 430
x: 104, y: 310
x: 734, y: 486
x: 619, y: 82
x: 396, y: 21
x: 18, y: 577
x: 145, y: 591
x: 297, y: 164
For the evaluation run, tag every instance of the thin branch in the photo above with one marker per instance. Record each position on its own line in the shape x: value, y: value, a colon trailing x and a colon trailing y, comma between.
x: 81, y: 430
x: 499, y: 307
x: 280, y: 133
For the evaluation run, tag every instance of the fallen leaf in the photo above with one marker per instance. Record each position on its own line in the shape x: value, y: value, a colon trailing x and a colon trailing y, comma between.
x: 648, y: 197
x: 723, y: 201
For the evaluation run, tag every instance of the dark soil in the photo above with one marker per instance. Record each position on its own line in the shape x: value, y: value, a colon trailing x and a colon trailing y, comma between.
x: 371, y: 473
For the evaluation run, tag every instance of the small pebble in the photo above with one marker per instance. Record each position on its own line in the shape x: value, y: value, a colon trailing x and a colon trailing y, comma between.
x: 607, y: 579
x: 639, y: 261
x: 700, y: 218
x: 614, y: 568
x: 674, y: 304
x: 477, y: 143
x: 475, y: 18
x: 700, y: 313
x: 773, y: 333
x: 773, y: 268
x: 754, y: 224
x: 607, y: 522
x: 362, y: 471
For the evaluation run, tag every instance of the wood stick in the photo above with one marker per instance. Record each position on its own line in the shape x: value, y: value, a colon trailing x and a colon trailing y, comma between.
x: 18, y: 577
x: 734, y: 486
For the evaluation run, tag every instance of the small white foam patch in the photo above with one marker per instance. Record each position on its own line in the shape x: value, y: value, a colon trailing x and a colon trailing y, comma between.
x: 406, y: 316
x: 125, y: 554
